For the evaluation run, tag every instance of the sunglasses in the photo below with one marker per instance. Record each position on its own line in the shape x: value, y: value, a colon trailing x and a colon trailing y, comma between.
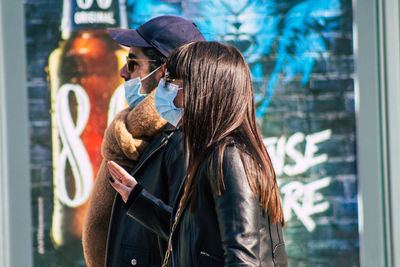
x: 132, y: 64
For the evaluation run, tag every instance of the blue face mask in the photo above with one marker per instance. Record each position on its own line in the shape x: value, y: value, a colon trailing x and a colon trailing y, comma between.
x: 164, y: 101
x: 132, y: 90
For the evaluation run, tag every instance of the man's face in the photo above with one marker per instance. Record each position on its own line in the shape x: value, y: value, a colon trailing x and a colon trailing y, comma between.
x: 138, y: 66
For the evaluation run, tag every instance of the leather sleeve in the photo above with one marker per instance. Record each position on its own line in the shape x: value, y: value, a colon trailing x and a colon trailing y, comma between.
x: 151, y: 212
x: 237, y: 212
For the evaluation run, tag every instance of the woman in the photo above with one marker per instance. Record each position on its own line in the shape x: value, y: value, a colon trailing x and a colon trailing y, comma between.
x: 228, y: 211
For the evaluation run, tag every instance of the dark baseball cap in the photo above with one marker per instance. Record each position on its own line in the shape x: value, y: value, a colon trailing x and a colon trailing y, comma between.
x: 164, y: 33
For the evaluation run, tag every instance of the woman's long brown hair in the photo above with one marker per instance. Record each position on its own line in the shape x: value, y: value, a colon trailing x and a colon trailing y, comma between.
x: 219, y: 107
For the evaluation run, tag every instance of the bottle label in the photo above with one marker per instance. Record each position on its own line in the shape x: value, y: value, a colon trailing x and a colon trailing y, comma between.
x: 91, y: 14
x: 72, y: 150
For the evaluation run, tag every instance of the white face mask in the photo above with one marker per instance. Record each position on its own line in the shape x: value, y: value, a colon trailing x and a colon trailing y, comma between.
x: 164, y: 101
x: 132, y: 90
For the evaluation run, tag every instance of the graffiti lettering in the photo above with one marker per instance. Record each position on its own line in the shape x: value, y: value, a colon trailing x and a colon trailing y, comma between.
x: 279, y: 148
x: 304, y: 201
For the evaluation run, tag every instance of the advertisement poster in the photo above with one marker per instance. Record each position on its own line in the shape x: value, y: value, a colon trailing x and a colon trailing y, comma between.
x: 302, y: 63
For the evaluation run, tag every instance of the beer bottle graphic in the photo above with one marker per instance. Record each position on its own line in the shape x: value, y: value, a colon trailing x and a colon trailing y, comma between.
x: 86, y: 92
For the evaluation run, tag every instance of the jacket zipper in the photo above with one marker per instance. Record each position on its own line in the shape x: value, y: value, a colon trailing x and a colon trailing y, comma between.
x: 208, y: 255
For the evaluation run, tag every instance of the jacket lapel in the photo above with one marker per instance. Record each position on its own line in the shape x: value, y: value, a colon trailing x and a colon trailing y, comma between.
x: 153, y: 147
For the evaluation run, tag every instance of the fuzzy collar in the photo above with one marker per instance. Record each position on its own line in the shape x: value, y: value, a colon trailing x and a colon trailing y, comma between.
x: 131, y: 131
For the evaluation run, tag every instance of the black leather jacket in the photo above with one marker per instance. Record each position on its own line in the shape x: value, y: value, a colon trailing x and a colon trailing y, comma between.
x: 160, y: 170
x: 227, y: 230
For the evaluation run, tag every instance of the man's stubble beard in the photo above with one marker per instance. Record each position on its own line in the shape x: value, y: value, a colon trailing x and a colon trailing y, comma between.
x: 149, y: 84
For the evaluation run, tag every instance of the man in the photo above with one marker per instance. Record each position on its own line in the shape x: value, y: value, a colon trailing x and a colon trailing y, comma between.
x: 143, y: 143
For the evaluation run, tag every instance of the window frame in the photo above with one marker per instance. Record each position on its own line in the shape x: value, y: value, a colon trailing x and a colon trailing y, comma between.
x: 15, y: 200
x: 377, y: 84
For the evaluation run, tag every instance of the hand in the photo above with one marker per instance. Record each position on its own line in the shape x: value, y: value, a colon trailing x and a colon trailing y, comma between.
x: 121, y: 180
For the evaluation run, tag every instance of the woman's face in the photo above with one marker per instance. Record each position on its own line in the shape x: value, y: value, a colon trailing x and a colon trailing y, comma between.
x: 178, y: 100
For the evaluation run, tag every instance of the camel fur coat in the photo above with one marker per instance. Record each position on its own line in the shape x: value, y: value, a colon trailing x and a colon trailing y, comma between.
x: 124, y: 141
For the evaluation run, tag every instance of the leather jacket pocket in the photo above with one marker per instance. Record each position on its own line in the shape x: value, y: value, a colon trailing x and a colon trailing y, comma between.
x: 135, y: 256
x: 207, y: 259
x: 279, y: 255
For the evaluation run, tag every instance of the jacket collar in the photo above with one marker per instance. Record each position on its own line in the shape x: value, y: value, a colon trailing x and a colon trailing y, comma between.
x: 160, y: 141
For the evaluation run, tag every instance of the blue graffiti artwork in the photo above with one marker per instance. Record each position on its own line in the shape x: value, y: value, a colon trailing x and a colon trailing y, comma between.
x: 292, y: 34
